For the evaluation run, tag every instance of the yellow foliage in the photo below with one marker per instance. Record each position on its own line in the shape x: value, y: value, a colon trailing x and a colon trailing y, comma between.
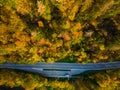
x: 62, y: 85
x: 102, y: 47
x: 33, y: 50
x: 4, y: 19
x: 51, y: 60
x: 86, y: 5
x: 23, y: 6
x: 18, y: 81
x: 104, y: 8
x: 10, y: 48
x: 36, y: 57
x: 73, y: 11
x: 63, y: 5
x: 75, y: 26
x: 66, y: 24
x: 83, y: 54
x: 2, y: 59
x: 44, y: 9
x: 95, y: 60
x: 41, y: 7
x: 11, y: 84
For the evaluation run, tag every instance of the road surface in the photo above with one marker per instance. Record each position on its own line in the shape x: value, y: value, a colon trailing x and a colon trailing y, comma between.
x: 61, y: 69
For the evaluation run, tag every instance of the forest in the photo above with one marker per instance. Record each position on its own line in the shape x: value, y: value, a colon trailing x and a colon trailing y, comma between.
x: 74, y: 31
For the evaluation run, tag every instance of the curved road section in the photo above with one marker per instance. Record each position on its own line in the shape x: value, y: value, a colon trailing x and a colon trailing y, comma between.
x: 61, y: 69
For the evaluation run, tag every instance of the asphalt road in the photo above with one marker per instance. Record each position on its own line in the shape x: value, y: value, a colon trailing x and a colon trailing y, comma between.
x: 61, y: 69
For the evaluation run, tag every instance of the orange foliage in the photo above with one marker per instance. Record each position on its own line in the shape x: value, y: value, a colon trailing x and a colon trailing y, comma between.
x: 20, y: 43
x: 40, y: 24
x: 41, y: 42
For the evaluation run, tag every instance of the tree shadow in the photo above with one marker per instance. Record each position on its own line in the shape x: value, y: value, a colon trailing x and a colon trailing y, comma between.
x: 108, y: 26
x: 3, y: 87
